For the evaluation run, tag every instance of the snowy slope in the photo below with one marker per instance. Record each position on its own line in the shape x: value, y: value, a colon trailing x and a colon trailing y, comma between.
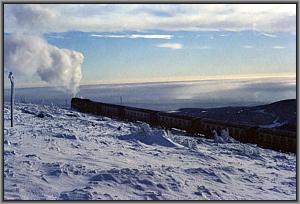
x: 54, y: 153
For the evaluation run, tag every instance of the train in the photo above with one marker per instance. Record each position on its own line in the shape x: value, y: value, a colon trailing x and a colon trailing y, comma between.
x: 279, y: 140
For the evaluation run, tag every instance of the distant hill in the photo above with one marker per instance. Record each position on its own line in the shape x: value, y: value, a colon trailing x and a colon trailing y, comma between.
x: 280, y: 114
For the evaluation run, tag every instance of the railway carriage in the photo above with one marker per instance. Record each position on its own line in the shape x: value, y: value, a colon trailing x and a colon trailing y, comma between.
x: 138, y: 114
x: 277, y: 139
x: 171, y: 120
x: 80, y: 104
x: 111, y: 110
x: 264, y: 137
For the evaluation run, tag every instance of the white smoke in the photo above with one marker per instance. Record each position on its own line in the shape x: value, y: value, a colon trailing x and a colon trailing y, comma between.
x: 28, y: 55
x: 32, y: 18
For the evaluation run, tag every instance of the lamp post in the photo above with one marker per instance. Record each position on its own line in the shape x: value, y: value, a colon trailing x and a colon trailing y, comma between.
x: 11, y: 77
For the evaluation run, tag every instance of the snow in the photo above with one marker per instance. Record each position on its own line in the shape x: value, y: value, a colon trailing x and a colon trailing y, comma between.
x: 60, y: 154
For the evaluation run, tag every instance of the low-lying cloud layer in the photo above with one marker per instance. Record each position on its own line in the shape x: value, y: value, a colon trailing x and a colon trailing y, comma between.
x: 28, y: 55
x: 174, y: 46
x: 134, y: 36
x: 142, y: 17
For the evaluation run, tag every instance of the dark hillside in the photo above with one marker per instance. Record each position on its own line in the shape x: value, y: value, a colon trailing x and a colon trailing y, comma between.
x: 280, y: 114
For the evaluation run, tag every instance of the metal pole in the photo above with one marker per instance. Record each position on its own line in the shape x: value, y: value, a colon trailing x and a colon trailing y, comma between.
x: 11, y: 77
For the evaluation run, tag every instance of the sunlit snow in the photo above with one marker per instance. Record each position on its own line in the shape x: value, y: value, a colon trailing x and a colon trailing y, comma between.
x: 55, y: 153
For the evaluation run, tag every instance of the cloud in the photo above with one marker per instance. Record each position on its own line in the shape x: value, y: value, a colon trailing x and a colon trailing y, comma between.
x: 204, y: 47
x: 269, y: 35
x: 134, y: 36
x: 278, y: 47
x: 267, y: 18
x: 31, y: 18
x: 109, y: 36
x: 56, y: 36
x: 247, y: 46
x: 29, y: 56
x: 152, y: 36
x: 174, y: 46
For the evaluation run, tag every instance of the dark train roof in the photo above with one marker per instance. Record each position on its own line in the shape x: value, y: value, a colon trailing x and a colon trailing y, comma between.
x: 111, y: 105
x: 96, y: 102
x: 116, y: 106
x: 81, y: 99
x: 177, y: 116
x: 141, y: 109
x: 220, y: 122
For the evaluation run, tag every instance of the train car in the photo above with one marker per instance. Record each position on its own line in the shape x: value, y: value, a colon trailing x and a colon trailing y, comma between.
x: 197, y: 126
x: 139, y: 114
x: 265, y: 137
x: 236, y: 131
x: 80, y: 104
x: 251, y: 135
x: 111, y: 110
x: 91, y: 107
x: 171, y: 120
x: 277, y: 139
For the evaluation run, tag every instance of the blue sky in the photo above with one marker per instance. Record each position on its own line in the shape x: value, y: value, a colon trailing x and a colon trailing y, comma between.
x: 201, y: 54
x: 136, y: 43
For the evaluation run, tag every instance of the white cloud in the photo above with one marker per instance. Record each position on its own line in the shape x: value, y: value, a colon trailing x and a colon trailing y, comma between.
x: 109, y: 36
x: 204, y: 47
x: 134, y: 36
x: 174, y: 46
x: 278, y: 47
x: 269, y: 35
x: 247, y: 46
x: 267, y: 18
x: 152, y: 36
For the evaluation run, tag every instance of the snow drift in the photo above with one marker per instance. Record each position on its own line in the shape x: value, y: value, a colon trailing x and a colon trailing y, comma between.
x: 149, y: 136
x: 59, y: 154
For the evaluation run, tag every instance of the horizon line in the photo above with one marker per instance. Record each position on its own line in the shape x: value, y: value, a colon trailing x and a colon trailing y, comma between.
x: 169, y: 80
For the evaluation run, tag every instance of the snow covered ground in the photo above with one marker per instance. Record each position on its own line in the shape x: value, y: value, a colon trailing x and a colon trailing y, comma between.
x: 55, y: 153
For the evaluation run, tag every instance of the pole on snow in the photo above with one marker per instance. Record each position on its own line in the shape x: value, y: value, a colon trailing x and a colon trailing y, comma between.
x: 11, y: 77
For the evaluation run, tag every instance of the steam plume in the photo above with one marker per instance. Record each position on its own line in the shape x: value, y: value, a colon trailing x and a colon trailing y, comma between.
x: 28, y: 55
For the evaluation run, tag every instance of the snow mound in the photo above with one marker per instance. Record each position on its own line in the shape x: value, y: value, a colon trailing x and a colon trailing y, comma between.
x: 149, y: 136
x: 189, y: 142
x: 224, y: 137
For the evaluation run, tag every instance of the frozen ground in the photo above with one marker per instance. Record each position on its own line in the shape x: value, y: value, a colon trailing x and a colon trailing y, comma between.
x: 54, y: 153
